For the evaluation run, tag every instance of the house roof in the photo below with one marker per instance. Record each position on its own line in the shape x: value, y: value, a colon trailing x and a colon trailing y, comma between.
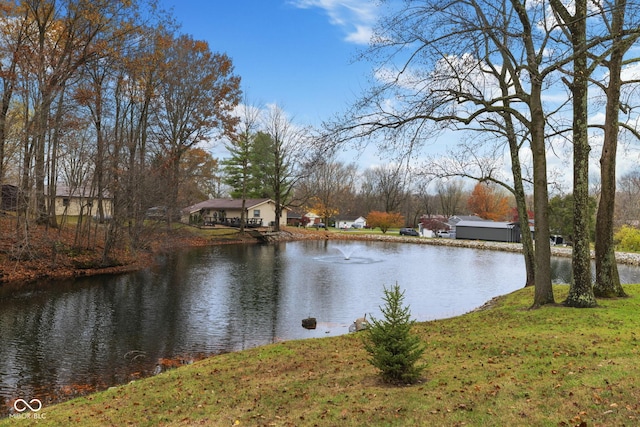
x: 474, y: 218
x: 227, y: 204
x: 485, y: 224
x: 66, y: 191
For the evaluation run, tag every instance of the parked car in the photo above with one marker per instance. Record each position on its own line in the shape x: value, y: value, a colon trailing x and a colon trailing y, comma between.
x: 446, y: 234
x: 408, y: 232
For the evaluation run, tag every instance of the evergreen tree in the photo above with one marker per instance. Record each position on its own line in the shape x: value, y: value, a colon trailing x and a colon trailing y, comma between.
x: 248, y: 167
x: 393, y: 349
x: 262, y: 164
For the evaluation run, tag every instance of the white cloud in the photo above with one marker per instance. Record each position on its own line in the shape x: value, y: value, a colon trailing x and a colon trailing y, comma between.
x: 362, y: 35
x: 356, y: 17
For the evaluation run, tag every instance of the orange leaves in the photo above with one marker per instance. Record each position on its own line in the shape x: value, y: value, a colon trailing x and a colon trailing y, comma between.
x: 384, y: 220
x: 488, y: 203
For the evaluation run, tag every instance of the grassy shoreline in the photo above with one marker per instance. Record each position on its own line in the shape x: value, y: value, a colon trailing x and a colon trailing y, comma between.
x: 504, y: 365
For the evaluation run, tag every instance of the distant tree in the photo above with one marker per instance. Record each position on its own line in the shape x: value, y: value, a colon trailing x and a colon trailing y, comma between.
x: 433, y: 224
x: 515, y: 216
x: 388, y: 184
x: 200, y: 172
x: 427, y: 201
x: 327, y: 187
x: 628, y: 239
x: 238, y: 166
x: 561, y: 214
x: 286, y: 153
x: 488, y: 203
x: 450, y: 195
x: 384, y: 220
x: 628, y: 200
x: 263, y: 166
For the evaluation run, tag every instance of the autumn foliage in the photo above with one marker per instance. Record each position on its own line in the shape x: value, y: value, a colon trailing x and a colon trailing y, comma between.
x: 384, y: 220
x: 53, y: 253
x: 488, y: 203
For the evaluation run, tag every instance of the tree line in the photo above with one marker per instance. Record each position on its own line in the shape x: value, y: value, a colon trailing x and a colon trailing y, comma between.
x: 107, y: 98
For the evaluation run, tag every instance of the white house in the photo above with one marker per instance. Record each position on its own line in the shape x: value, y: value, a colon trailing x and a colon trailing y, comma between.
x: 258, y: 212
x: 312, y: 219
x: 351, y: 222
x: 73, y: 201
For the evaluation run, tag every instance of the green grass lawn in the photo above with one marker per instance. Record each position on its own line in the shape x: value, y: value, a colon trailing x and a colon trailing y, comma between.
x: 503, y: 366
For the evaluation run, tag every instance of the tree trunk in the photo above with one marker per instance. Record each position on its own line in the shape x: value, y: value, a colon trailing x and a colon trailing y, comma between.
x: 523, y: 218
x: 520, y: 196
x: 607, y: 283
x: 39, y: 137
x: 543, y: 288
x: 581, y: 289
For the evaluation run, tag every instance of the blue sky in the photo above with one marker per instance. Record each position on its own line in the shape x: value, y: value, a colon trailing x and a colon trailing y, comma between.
x: 298, y: 54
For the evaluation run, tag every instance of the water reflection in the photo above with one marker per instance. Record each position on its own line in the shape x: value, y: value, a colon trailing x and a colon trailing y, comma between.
x: 107, y: 330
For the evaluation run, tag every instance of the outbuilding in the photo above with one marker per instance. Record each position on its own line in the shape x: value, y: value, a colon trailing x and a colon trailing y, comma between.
x: 489, y: 230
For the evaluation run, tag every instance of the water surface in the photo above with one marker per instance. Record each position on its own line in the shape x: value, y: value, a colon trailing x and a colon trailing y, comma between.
x: 95, y: 332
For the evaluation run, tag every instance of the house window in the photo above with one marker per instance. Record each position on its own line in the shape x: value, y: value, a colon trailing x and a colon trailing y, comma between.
x: 256, y: 213
x: 65, y: 201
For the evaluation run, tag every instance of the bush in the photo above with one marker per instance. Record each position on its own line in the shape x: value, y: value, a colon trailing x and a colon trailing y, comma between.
x: 384, y: 220
x: 393, y: 349
x: 627, y: 239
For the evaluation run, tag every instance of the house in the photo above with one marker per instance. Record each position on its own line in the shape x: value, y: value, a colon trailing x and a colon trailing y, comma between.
x: 74, y: 201
x: 310, y: 219
x: 489, y: 230
x: 440, y: 225
x: 351, y: 222
x: 298, y: 218
x: 258, y: 212
x: 431, y: 224
x: 294, y: 218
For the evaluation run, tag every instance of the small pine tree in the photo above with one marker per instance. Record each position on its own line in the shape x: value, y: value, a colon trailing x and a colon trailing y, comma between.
x: 393, y: 349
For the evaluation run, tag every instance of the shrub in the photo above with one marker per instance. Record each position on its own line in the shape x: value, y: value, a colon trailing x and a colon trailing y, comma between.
x: 628, y: 239
x: 392, y: 348
x: 384, y: 220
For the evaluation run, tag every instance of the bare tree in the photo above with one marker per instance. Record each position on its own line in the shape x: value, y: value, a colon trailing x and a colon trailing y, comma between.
x: 468, y: 65
x: 575, y: 24
x: 451, y: 194
x: 11, y: 48
x: 291, y: 147
x: 62, y: 36
x: 623, y: 36
x: 327, y: 186
x: 196, y: 97
x: 388, y: 184
x: 628, y: 198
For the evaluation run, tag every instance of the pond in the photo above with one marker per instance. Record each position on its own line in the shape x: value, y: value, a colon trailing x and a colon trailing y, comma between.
x: 81, y: 335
